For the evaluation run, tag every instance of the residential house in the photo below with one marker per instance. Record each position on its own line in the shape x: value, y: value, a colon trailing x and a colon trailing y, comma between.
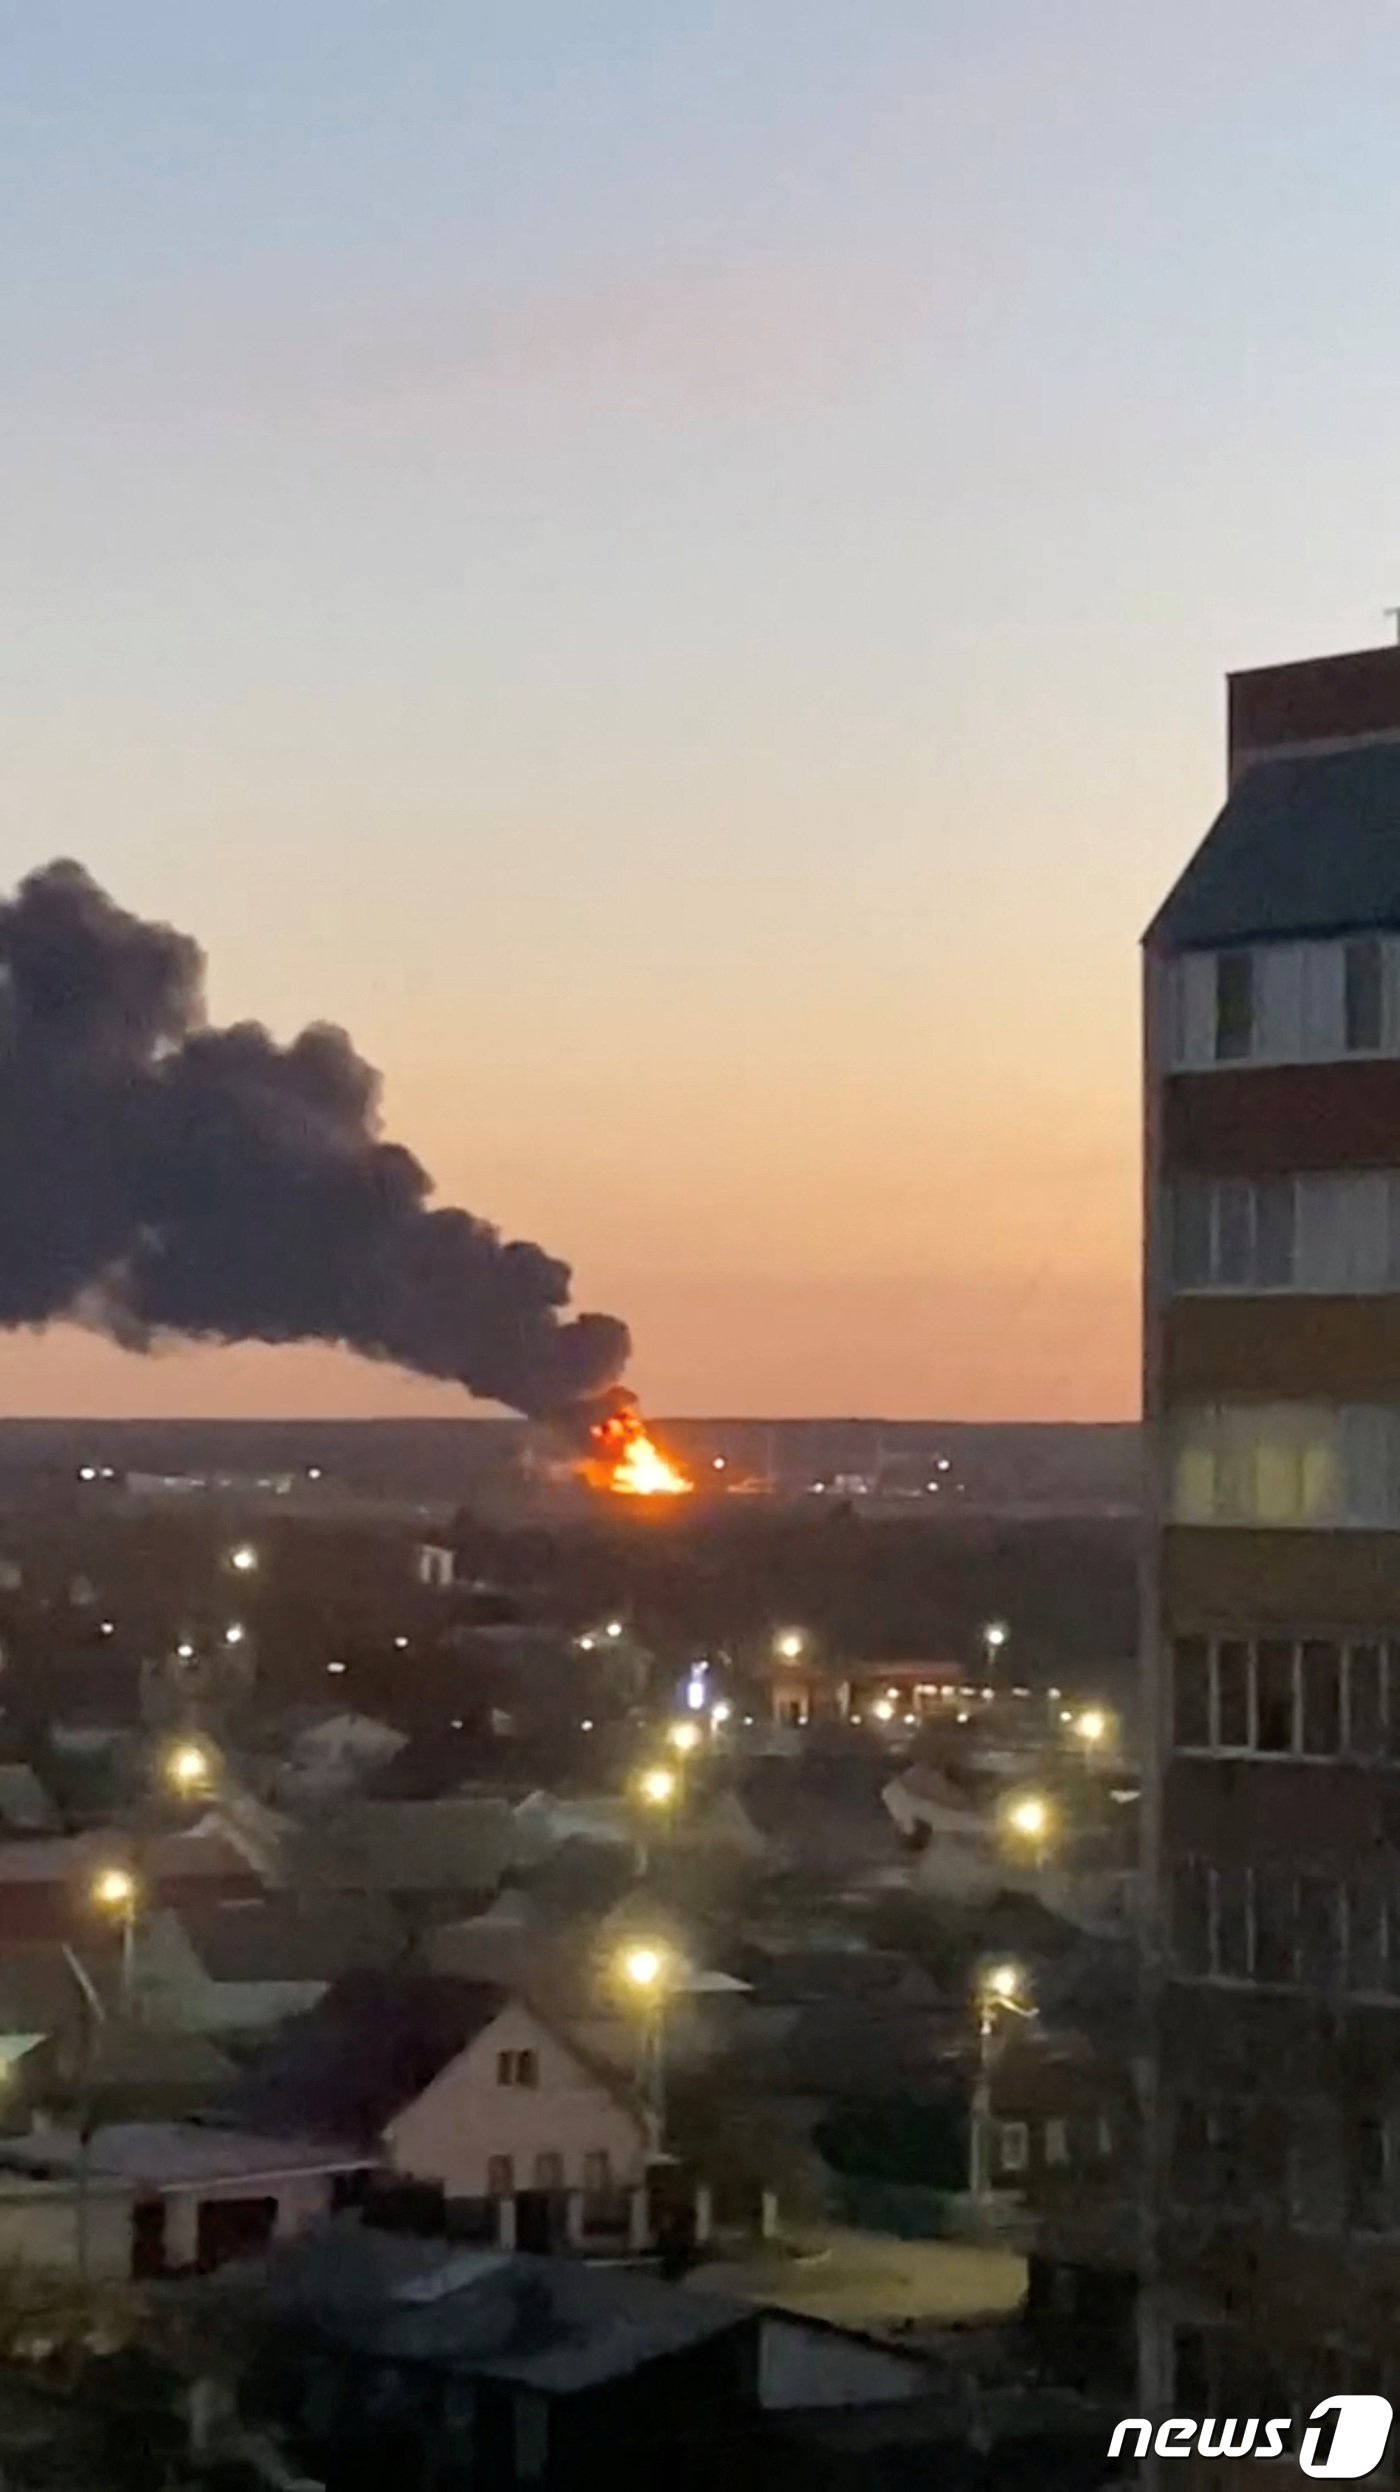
x: 469, y: 2088
x: 176, y: 2197
x: 46, y: 1883
x: 405, y: 2360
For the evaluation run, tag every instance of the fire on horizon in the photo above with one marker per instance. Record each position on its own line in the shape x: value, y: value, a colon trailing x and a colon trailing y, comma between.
x: 626, y: 1460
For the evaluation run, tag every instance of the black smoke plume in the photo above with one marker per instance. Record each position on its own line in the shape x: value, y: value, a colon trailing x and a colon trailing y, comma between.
x: 159, y: 1177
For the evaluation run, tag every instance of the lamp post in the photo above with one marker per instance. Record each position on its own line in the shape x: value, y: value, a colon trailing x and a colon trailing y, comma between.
x: 656, y: 1791
x: 994, y: 1639
x: 1030, y: 1820
x: 188, y: 1768
x: 648, y: 1973
x: 116, y: 1893
x: 1000, y: 1992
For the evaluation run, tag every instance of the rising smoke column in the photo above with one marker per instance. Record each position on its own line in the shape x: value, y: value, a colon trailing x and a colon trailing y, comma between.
x: 159, y: 1177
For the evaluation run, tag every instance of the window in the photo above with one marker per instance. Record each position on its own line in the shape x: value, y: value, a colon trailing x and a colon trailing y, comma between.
x: 1190, y: 1917
x: 1234, y: 1234
x: 1320, y: 1668
x: 1274, y: 1733
x: 1057, y: 2141
x: 1233, y: 1726
x: 549, y: 2171
x: 500, y: 2176
x: 597, y: 2172
x: 1191, y: 1692
x: 1013, y: 2145
x: 1192, y: 1227
x: 1233, y: 1952
x: 1363, y: 991
x: 1368, y: 2165
x: 1275, y: 1233
x: 1234, y: 1006
x: 1365, y: 1700
x: 1275, y: 1925
x: 517, y: 2068
x: 1365, y: 1933
x: 1319, y: 1933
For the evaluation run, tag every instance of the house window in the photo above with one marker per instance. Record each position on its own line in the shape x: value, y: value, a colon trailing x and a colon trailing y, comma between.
x: 1275, y: 1233
x: 597, y: 2172
x: 1191, y: 1692
x: 1364, y: 990
x: 1057, y: 2141
x: 1234, y: 1006
x: 500, y: 2176
x: 1368, y: 2166
x: 517, y: 2068
x: 1365, y: 1928
x: 549, y: 2171
x: 1013, y: 2145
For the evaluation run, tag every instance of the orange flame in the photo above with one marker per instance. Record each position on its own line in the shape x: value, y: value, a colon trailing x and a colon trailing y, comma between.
x: 629, y: 1463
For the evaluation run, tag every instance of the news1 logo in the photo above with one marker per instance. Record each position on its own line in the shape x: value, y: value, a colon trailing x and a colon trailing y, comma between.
x: 1344, y: 2438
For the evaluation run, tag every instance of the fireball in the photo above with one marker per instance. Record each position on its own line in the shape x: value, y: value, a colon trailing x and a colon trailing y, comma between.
x: 627, y: 1461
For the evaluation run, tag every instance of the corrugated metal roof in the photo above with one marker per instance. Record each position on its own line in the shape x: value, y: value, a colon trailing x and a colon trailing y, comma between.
x: 1303, y: 847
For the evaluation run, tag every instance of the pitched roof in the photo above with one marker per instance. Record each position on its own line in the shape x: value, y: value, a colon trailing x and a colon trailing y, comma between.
x: 371, y: 2046
x: 291, y: 1936
x: 552, y: 2323
x: 402, y: 1846
x: 1304, y: 847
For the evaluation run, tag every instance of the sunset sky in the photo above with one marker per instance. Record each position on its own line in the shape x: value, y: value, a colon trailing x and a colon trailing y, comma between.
x: 671, y: 565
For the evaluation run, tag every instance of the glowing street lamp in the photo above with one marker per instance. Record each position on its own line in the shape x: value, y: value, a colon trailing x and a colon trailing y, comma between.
x: 189, y: 1768
x: 995, y: 1637
x: 1001, y: 1991
x: 244, y: 1559
x: 684, y: 1737
x: 1092, y: 1727
x: 1031, y: 1820
x: 790, y: 1643
x: 116, y: 1893
x: 647, y: 1973
x: 657, y: 1787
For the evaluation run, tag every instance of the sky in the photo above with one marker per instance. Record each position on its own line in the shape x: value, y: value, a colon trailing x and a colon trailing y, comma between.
x: 671, y: 566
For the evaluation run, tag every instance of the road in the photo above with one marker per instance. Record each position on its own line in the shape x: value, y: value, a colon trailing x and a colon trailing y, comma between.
x: 866, y: 2279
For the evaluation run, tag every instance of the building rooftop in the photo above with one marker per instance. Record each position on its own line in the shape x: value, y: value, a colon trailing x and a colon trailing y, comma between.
x: 1304, y: 847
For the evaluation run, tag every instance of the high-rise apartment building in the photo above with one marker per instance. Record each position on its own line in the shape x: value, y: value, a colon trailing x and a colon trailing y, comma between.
x: 1272, y: 1597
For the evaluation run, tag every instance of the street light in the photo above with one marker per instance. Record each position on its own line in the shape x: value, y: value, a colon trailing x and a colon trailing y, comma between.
x: 684, y: 1737
x: 1092, y: 1726
x: 189, y: 1768
x: 1001, y: 1991
x: 994, y: 1639
x: 115, y: 1892
x: 1031, y: 1820
x: 244, y: 1559
x: 657, y: 1787
x: 790, y: 1644
x: 648, y: 1973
